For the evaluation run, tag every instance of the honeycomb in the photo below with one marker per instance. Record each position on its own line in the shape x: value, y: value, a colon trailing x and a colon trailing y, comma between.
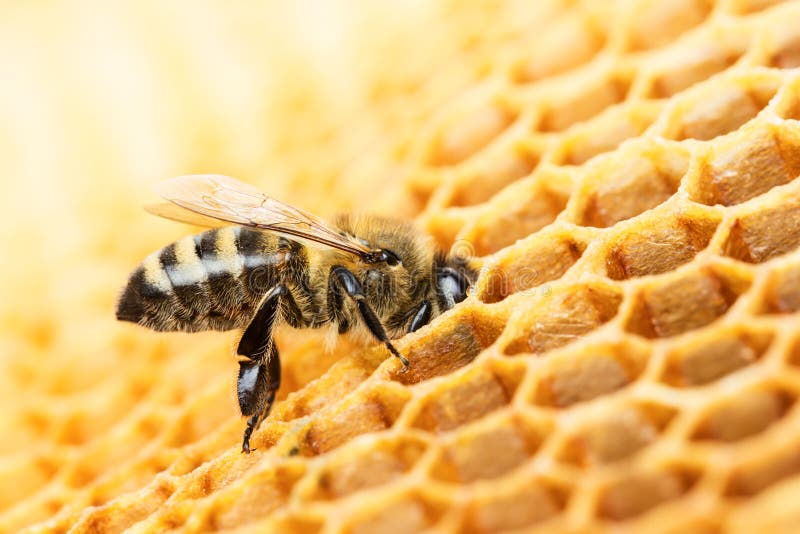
x: 628, y: 360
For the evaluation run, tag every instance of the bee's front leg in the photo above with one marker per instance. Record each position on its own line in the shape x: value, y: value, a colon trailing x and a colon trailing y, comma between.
x: 352, y: 287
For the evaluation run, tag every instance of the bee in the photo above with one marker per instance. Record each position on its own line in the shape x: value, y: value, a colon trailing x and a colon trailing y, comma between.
x: 278, y: 263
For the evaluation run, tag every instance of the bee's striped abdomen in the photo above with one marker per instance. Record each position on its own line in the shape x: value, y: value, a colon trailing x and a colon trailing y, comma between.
x: 210, y: 281
x: 258, y: 271
x: 223, y: 265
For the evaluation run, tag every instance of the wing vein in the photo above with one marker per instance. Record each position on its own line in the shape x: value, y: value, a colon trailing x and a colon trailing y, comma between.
x: 225, y: 199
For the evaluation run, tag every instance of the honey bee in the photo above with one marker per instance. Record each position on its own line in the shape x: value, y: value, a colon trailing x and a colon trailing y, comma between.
x: 282, y: 264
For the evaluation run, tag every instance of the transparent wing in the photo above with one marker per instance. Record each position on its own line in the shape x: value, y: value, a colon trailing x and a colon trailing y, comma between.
x: 226, y: 199
x: 173, y: 212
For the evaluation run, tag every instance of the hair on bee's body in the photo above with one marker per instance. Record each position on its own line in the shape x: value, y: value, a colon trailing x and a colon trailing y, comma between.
x: 214, y: 280
x: 392, y: 291
x: 361, y: 273
x: 208, y: 281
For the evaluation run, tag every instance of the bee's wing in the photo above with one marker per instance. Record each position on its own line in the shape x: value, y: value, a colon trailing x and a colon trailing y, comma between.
x: 226, y: 199
x: 173, y: 212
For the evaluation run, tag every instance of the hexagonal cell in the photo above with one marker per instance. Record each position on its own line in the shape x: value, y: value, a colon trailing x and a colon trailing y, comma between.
x: 93, y: 460
x: 616, y: 434
x: 518, y: 504
x: 714, y: 354
x: 265, y: 492
x: 766, y: 513
x: 606, y: 131
x: 465, y: 397
x: 478, y: 182
x: 33, y: 472
x: 421, y: 184
x: 134, y: 477
x: 577, y: 39
x: 747, y: 164
x: 359, y: 468
x: 542, y: 258
x: 472, y: 453
x: 783, y: 44
x: 685, y: 302
x: 654, y: 23
x: 661, y: 246
x: 445, y: 224
x: 694, y: 60
x: 634, y: 493
x: 720, y: 108
x: 788, y: 104
x: 793, y: 354
x: 557, y: 317
x: 169, y: 517
x: 781, y: 293
x: 635, y: 180
x: 191, y: 427
x: 582, y: 375
x: 368, y: 410
x: 451, y: 346
x: 791, y: 111
x: 744, y: 414
x: 584, y: 100
x: 406, y: 512
x: 293, y: 522
x: 124, y: 512
x: 521, y: 209
x: 752, y: 237
x: 338, y: 382
x: 470, y: 129
x: 773, y: 464
x: 743, y: 7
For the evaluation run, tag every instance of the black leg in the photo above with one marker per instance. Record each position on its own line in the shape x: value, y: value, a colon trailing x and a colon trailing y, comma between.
x: 353, y: 289
x: 268, y: 390
x: 257, y: 337
x: 422, y: 316
x: 259, y: 364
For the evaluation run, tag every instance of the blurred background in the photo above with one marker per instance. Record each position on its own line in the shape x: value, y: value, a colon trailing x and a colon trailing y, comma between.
x: 309, y: 100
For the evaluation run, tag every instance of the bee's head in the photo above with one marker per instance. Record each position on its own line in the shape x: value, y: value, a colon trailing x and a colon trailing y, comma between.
x: 453, y: 277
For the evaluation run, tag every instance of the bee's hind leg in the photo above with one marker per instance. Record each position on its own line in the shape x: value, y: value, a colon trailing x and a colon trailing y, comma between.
x: 259, y: 362
x: 258, y: 400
